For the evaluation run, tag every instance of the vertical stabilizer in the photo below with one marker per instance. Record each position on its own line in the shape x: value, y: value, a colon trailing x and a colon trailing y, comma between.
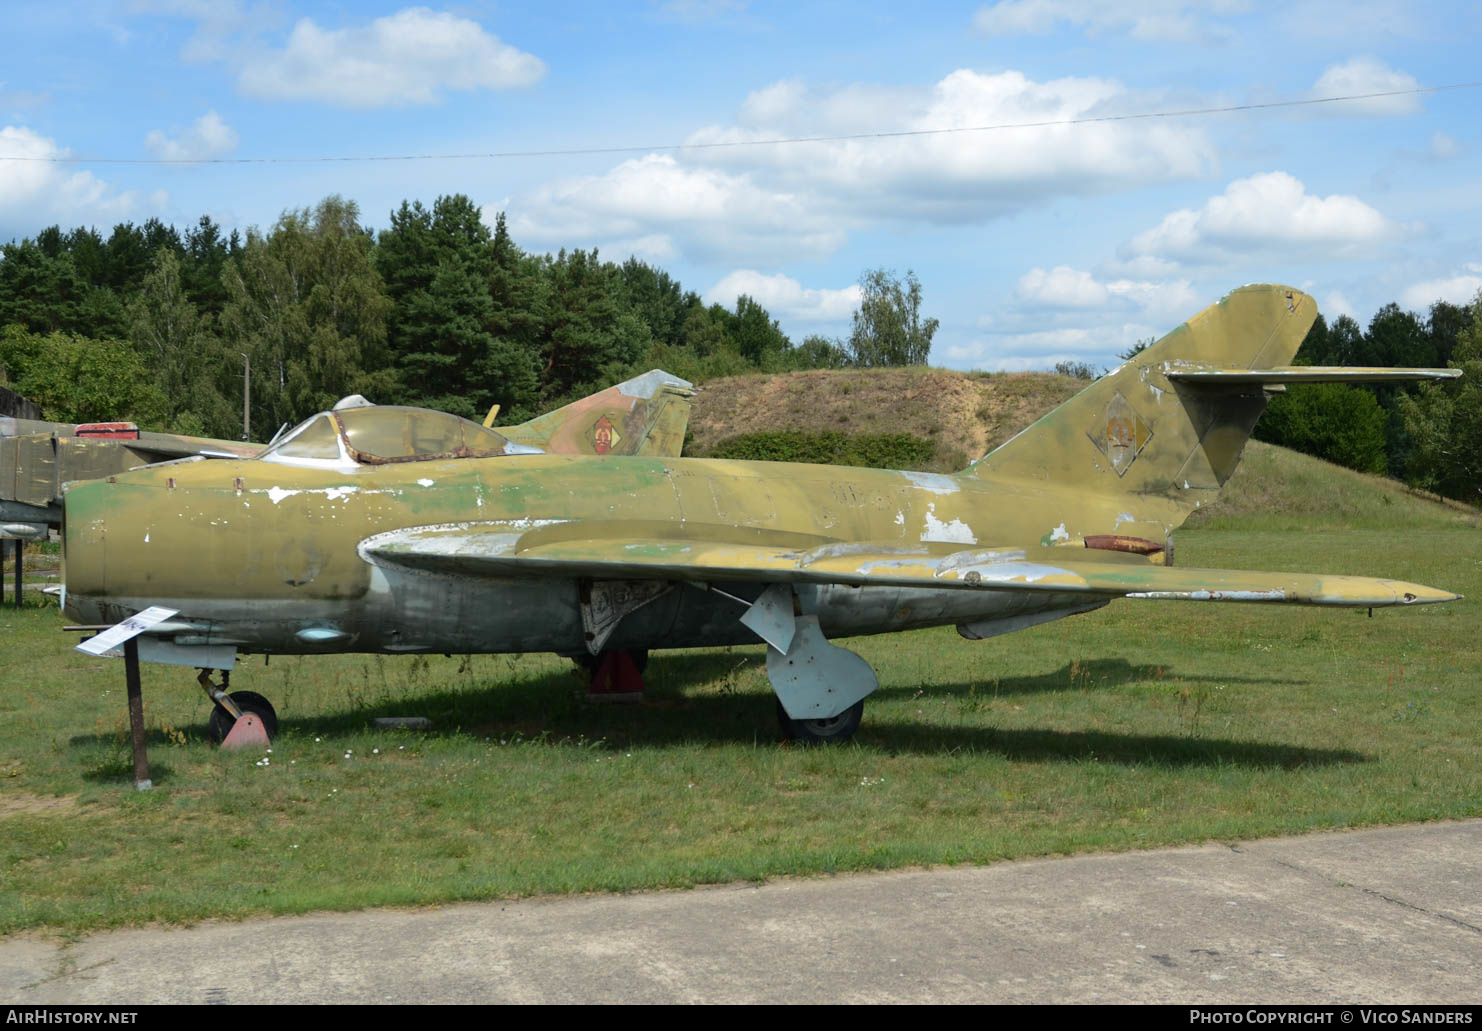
x: 646, y: 415
x: 1172, y: 444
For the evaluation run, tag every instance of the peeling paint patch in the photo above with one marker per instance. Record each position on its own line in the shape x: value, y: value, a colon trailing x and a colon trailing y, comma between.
x: 335, y: 493
x: 888, y: 565
x: 965, y: 559
x: 956, y: 532
x: 1206, y: 595
x: 844, y: 550
x: 277, y: 494
x: 425, y: 482
x: 900, y: 518
x: 1060, y: 533
x: 936, y: 483
x: 1013, y: 573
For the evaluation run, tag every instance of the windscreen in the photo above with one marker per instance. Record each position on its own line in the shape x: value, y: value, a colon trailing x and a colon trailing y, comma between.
x: 315, y: 437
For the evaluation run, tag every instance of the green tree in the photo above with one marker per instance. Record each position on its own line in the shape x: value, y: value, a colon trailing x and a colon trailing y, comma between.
x: 1444, y: 326
x: 657, y: 299
x: 511, y: 373
x: 588, y: 337
x: 203, y: 263
x: 1139, y: 347
x: 1314, y: 349
x: 1345, y: 343
x: 180, y: 352
x: 1332, y: 421
x: 819, y: 352
x: 888, y: 328
x: 756, y: 336
x: 1077, y: 370
x: 467, y: 309
x: 40, y: 287
x: 305, y: 304
x: 704, y: 332
x: 79, y: 379
x: 1445, y: 422
x: 1397, y: 338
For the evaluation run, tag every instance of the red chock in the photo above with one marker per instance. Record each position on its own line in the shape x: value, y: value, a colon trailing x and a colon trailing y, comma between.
x: 247, y: 732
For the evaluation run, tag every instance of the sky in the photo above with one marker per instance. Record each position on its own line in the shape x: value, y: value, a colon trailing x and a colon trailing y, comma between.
x: 1033, y: 245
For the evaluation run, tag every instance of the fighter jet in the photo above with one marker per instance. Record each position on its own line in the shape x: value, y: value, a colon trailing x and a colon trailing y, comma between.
x: 393, y: 530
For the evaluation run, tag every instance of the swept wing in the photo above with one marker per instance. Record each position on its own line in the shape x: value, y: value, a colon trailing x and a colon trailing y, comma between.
x: 502, y: 551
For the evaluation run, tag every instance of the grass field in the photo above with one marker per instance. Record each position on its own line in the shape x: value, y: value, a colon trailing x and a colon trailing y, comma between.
x: 1141, y: 724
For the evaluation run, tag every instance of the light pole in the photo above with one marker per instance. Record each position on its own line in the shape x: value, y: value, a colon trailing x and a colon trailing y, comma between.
x: 246, y: 397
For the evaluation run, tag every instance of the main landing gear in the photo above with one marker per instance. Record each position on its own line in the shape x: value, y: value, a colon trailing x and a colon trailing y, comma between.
x: 830, y: 731
x: 820, y: 687
x: 615, y: 676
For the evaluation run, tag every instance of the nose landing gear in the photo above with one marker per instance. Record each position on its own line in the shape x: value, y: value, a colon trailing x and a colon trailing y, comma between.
x: 240, y: 719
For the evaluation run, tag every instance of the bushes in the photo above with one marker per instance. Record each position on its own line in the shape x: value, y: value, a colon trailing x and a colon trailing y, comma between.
x: 873, y: 451
x: 76, y: 379
x: 1331, y: 421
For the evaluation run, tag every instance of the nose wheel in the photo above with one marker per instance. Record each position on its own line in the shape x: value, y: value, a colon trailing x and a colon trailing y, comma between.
x: 255, y: 714
x: 221, y: 722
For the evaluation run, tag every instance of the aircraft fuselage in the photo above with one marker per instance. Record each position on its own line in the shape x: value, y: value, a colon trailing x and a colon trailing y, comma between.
x: 269, y: 558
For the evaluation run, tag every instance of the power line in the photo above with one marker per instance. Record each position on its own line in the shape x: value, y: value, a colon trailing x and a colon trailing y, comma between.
x: 718, y: 145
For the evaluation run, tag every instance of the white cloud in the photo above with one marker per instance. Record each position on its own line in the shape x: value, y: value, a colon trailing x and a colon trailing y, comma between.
x: 1143, y: 19
x: 1336, y: 304
x: 1097, y: 344
x: 209, y: 137
x: 1263, y: 212
x: 784, y: 295
x: 654, y: 247
x: 705, y: 212
x: 1073, y: 289
x: 410, y: 57
x: 772, y: 204
x: 221, y: 26
x: 39, y: 189
x: 1443, y: 146
x: 1062, y: 287
x: 1363, y: 75
x: 963, y: 175
x: 1458, y: 289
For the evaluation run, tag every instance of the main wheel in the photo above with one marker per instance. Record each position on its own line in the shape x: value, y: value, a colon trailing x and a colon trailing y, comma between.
x: 221, y: 721
x: 834, y: 730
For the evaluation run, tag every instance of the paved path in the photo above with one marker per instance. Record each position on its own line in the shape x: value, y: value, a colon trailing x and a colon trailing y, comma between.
x: 1381, y: 916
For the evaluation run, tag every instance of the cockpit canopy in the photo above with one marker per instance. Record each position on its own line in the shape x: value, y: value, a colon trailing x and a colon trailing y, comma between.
x: 381, y: 434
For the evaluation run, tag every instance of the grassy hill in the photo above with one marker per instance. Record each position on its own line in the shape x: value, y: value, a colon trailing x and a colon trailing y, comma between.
x: 966, y: 415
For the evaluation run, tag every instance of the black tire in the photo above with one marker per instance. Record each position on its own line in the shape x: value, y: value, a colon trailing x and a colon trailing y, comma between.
x: 221, y: 721
x: 833, y: 731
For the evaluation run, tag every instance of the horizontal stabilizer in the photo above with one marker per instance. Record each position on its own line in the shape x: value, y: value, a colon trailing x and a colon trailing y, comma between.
x: 491, y: 550
x: 1282, y: 374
